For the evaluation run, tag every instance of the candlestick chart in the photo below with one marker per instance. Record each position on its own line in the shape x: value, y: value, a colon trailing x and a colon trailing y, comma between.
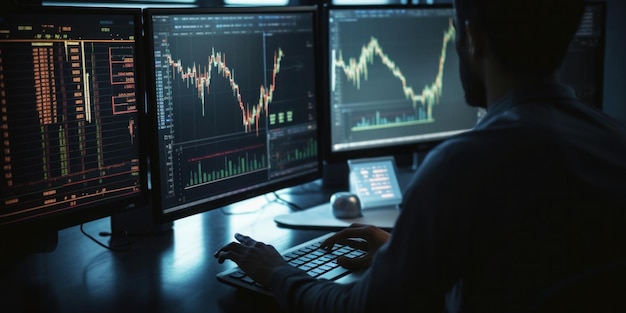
x: 200, y: 77
x: 228, y: 87
x: 226, y: 103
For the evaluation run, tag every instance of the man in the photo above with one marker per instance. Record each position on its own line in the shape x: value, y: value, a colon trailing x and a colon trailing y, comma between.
x: 533, y: 195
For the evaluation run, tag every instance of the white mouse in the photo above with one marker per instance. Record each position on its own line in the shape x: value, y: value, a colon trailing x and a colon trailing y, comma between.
x: 345, y: 205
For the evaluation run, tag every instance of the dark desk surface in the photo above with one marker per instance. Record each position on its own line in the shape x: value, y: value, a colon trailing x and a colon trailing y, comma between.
x: 169, y: 272
x: 174, y: 271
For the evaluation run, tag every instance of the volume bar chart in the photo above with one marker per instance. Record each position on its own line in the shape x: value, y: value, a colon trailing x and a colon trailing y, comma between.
x: 216, y: 168
x: 294, y: 151
x: 291, y: 149
x: 384, y: 120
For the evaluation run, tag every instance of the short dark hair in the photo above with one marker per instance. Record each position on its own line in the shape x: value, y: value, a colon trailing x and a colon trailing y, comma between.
x: 528, y: 36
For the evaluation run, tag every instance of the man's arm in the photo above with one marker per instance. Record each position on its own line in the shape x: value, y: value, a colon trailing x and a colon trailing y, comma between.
x: 415, y: 268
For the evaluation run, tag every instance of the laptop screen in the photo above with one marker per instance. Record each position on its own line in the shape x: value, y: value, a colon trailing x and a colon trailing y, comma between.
x: 375, y: 182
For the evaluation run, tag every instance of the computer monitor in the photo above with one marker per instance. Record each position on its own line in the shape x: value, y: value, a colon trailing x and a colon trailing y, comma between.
x: 583, y: 67
x: 393, y: 80
x: 234, y: 104
x: 70, y: 108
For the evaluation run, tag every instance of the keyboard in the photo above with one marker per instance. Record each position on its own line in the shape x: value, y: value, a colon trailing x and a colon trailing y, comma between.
x: 308, y: 256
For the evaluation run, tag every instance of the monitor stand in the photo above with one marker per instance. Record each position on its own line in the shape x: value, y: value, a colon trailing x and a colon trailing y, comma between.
x: 137, y: 222
x: 335, y: 175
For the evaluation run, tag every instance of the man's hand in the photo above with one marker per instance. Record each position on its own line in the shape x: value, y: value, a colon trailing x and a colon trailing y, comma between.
x: 255, y: 258
x: 365, y: 237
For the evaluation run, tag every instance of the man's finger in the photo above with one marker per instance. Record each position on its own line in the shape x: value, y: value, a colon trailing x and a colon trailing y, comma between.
x: 245, y: 240
x: 344, y: 234
x: 232, y: 246
x: 356, y: 244
x: 228, y: 255
x: 355, y: 263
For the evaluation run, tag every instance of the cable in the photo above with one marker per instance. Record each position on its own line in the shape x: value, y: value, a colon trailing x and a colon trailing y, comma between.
x: 127, y: 247
x: 292, y: 205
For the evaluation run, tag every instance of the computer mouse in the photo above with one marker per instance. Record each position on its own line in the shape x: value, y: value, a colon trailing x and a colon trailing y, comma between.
x: 345, y: 205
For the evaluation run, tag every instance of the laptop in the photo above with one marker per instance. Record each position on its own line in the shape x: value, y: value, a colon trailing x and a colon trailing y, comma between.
x: 375, y: 182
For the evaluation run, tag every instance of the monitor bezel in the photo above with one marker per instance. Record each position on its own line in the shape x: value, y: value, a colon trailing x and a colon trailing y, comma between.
x: 54, y: 221
x: 200, y: 206
x: 600, y: 62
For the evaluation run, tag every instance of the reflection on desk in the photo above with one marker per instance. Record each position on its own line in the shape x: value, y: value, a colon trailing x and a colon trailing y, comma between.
x: 169, y: 272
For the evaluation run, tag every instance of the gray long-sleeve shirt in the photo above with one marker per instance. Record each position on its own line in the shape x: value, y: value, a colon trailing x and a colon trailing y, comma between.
x: 534, y: 193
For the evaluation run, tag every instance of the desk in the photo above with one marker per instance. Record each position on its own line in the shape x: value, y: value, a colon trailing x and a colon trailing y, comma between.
x: 169, y: 272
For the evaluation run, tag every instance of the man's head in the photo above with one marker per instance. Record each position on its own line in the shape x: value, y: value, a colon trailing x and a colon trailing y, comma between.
x: 526, y: 38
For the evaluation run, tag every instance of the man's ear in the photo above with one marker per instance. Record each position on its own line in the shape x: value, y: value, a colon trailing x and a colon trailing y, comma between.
x: 475, y: 40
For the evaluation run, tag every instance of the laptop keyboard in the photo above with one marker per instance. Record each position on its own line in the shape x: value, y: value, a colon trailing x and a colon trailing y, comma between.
x: 316, y: 262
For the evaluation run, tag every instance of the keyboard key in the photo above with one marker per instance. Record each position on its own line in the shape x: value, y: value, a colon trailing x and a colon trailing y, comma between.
x: 335, y: 273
